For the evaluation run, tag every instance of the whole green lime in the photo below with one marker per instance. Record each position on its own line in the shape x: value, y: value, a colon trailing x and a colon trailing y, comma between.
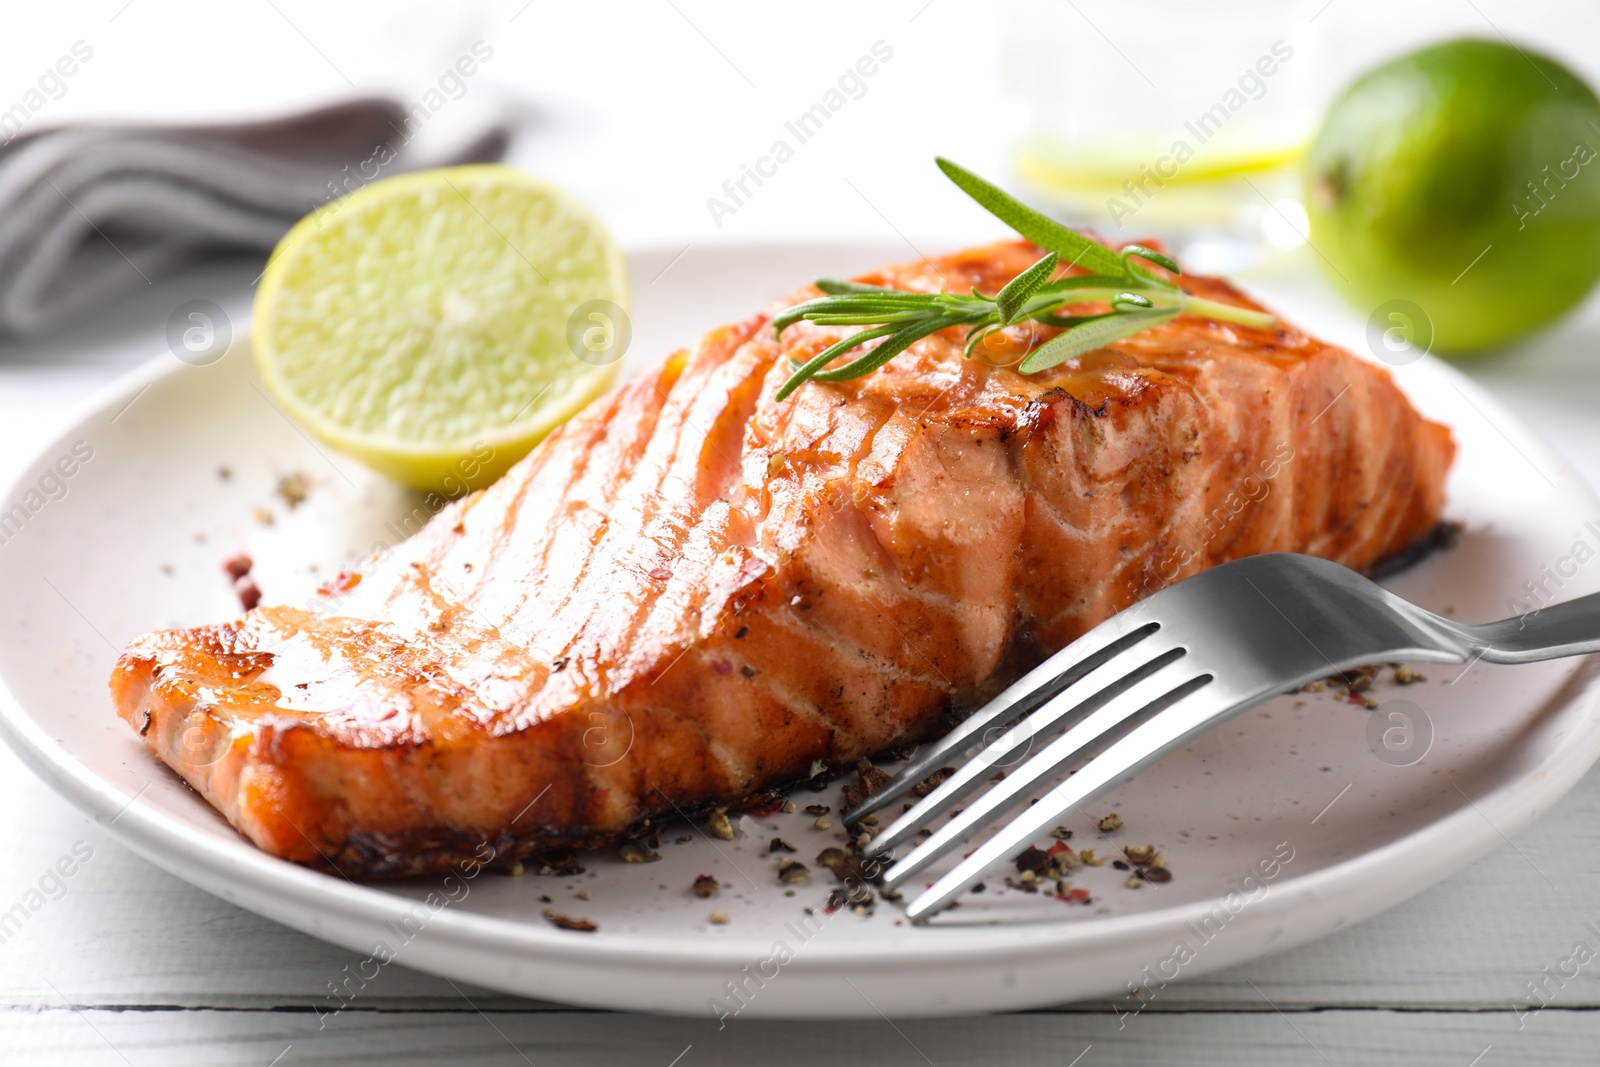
x: 1464, y: 180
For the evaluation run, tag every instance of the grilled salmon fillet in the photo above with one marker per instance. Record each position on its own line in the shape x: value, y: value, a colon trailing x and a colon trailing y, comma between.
x: 690, y: 593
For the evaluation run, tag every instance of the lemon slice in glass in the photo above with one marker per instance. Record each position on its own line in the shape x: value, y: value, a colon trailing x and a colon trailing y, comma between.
x: 437, y: 325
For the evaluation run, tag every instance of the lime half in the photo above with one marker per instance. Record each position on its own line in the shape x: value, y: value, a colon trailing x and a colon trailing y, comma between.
x: 437, y: 325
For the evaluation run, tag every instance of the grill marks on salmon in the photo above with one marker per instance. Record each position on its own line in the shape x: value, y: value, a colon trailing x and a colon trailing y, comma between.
x: 689, y: 593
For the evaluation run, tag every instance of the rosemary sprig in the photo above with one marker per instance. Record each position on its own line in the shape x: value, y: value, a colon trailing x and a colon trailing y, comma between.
x: 1139, y: 299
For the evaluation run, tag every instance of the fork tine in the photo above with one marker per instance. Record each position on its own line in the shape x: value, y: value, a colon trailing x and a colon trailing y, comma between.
x: 1031, y: 691
x: 1067, y: 707
x: 1123, y: 713
x: 1158, y: 735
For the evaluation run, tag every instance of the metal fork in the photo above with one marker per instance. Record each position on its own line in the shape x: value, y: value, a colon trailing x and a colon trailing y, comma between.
x: 1164, y: 671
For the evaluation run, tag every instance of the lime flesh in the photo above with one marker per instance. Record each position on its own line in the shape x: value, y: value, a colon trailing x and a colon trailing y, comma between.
x: 425, y: 323
x: 1465, y: 179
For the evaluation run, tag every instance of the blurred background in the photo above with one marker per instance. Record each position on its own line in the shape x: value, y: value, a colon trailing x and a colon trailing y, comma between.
x: 654, y: 111
x: 646, y: 109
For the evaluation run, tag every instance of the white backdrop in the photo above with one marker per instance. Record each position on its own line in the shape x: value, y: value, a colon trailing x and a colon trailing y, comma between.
x: 646, y: 107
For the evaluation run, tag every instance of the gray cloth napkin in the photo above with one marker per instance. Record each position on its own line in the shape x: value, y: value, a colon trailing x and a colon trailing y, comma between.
x: 90, y: 211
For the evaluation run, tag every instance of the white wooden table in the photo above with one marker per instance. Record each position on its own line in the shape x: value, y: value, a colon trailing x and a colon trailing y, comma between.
x: 126, y: 965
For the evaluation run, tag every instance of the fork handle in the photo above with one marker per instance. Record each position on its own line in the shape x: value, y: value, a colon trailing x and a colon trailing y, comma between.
x: 1570, y: 628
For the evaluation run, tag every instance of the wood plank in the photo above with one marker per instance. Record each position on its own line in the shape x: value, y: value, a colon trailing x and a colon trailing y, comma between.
x: 517, y: 1039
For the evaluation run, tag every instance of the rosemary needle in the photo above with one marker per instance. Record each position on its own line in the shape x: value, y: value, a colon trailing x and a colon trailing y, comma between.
x: 1139, y: 298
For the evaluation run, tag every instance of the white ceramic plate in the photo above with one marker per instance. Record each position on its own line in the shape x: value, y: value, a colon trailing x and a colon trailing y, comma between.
x: 1280, y: 828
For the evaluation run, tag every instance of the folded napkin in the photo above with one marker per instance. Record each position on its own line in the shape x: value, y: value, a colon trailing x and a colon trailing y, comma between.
x: 90, y: 211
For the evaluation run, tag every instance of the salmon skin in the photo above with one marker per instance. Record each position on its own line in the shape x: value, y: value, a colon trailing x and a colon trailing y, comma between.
x: 690, y: 593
